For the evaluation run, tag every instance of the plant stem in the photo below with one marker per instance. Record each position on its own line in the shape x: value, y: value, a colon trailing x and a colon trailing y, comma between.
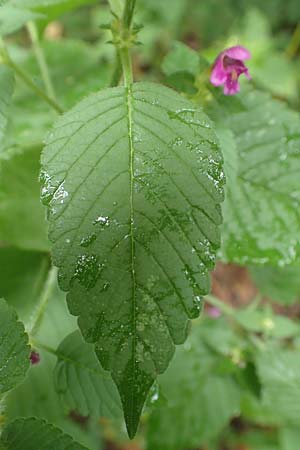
x: 117, y: 74
x: 30, y: 83
x: 41, y: 60
x: 127, y: 66
x: 128, y: 13
x: 6, y: 59
x: 45, y: 295
x: 124, y: 48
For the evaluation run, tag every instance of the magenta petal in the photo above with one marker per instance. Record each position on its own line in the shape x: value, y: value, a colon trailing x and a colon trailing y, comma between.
x: 237, y: 52
x: 218, y: 74
x: 231, y: 87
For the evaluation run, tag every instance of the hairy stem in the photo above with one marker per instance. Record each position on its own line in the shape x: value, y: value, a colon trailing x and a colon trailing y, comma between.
x: 41, y: 60
x: 117, y: 74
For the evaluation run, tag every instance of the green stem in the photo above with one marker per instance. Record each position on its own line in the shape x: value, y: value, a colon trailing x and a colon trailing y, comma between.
x: 30, y: 83
x: 6, y: 59
x: 117, y: 74
x: 128, y: 13
x: 127, y: 66
x: 41, y: 60
x: 45, y: 295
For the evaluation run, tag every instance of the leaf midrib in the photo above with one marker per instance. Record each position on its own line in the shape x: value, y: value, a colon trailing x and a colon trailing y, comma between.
x: 129, y: 97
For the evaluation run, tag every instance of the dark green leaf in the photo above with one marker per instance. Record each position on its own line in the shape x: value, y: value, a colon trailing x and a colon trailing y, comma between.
x: 33, y: 434
x: 14, y: 349
x: 133, y: 239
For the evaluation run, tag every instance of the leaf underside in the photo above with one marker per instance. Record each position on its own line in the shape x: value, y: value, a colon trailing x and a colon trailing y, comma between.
x: 133, y: 180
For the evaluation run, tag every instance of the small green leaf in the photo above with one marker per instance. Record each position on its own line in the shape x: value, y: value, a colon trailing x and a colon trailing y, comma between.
x: 14, y: 349
x: 7, y: 83
x: 181, y: 59
x: 23, y: 221
x: 261, y: 211
x: 81, y: 382
x: 33, y: 434
x: 133, y: 179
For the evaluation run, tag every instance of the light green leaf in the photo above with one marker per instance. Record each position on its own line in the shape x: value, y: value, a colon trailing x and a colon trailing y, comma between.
x: 279, y: 372
x: 81, y: 382
x: 13, y: 18
x: 261, y: 211
x: 21, y: 279
x: 51, y: 8
x: 33, y: 434
x: 181, y: 59
x: 195, y: 402
x: 280, y: 284
x: 289, y: 438
x: 14, y: 349
x: 7, y: 83
x: 23, y: 221
x: 133, y: 179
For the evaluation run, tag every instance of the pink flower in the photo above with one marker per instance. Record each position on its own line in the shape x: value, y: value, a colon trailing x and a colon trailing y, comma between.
x: 213, y: 312
x: 34, y: 357
x: 228, y: 67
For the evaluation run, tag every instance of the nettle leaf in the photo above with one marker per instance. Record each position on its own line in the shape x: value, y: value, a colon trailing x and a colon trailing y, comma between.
x: 133, y: 179
x: 33, y: 433
x: 14, y: 349
x: 261, y: 211
x: 23, y: 222
x: 81, y: 381
x: 7, y: 83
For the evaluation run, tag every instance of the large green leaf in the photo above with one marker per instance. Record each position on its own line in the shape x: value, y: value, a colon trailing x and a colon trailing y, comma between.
x: 81, y: 382
x: 133, y: 179
x: 23, y: 221
x: 195, y: 402
x: 261, y: 211
x: 33, y: 434
x: 6, y: 91
x: 14, y: 349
